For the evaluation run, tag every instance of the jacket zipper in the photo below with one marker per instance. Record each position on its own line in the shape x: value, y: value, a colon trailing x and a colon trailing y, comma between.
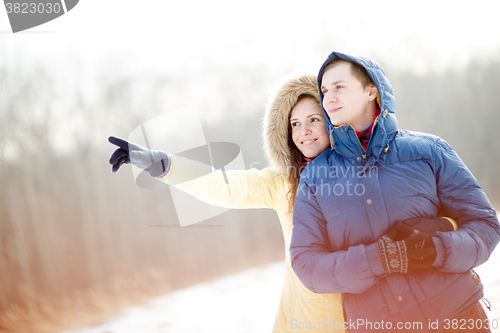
x: 332, y: 144
x: 364, y: 151
x: 364, y: 155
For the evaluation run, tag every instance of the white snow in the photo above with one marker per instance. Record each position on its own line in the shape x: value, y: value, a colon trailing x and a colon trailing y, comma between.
x: 242, y: 303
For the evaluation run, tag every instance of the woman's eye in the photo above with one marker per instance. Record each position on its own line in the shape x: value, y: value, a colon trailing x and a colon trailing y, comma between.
x: 294, y: 124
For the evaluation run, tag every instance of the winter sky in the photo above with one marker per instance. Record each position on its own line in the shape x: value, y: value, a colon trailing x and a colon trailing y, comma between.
x: 166, y: 36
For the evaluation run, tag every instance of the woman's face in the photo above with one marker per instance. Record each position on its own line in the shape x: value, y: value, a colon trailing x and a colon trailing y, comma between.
x: 308, y: 128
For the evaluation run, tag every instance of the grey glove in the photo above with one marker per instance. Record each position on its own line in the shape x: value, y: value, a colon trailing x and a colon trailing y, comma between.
x: 156, y: 162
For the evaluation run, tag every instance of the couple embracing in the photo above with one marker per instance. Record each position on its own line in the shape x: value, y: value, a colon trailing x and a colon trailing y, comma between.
x: 398, y: 255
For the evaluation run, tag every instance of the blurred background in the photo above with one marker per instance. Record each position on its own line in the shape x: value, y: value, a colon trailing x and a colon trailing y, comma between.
x: 78, y: 243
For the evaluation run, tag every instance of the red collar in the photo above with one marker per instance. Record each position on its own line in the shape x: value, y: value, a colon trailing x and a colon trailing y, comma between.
x: 365, y: 135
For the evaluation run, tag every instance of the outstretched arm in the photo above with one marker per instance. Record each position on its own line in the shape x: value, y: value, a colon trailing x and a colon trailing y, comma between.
x: 244, y: 188
x: 232, y: 189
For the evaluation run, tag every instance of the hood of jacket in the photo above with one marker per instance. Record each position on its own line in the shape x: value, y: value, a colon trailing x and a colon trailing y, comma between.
x: 343, y: 138
x: 277, y: 118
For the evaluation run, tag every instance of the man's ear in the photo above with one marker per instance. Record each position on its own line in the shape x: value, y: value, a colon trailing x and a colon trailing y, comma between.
x: 372, y: 92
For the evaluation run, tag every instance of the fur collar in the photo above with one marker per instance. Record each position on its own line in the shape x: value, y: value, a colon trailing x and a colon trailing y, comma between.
x: 276, y: 120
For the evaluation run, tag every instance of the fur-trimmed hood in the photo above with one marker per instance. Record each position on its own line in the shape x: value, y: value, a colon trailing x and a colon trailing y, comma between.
x: 277, y: 117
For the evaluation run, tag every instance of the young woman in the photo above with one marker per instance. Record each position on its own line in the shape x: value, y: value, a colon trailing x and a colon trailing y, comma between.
x: 294, y: 134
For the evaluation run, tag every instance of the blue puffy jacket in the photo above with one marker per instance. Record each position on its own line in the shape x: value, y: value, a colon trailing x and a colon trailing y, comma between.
x: 349, y: 198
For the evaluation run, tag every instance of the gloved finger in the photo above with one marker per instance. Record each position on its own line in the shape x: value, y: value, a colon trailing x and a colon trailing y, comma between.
x: 119, y: 163
x: 420, y: 264
x: 123, y: 144
x: 415, y: 239
x: 117, y: 154
x: 430, y: 225
x: 428, y: 242
x: 429, y: 252
x: 399, y: 231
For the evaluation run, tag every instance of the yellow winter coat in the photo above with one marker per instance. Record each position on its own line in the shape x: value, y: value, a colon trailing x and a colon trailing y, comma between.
x: 300, y: 310
x: 299, y: 307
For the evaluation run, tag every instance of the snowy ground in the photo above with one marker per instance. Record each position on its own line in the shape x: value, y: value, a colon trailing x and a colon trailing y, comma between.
x: 242, y: 303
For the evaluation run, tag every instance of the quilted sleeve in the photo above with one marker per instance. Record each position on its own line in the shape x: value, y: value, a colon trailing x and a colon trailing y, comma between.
x: 465, y: 201
x: 319, y: 269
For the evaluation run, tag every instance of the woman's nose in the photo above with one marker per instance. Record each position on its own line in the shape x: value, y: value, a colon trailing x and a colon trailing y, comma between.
x: 306, y: 130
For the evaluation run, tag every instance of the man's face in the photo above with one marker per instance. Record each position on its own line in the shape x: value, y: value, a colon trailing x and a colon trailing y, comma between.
x: 345, y: 100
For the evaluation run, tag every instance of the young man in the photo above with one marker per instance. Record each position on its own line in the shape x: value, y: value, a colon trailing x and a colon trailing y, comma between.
x: 374, y: 175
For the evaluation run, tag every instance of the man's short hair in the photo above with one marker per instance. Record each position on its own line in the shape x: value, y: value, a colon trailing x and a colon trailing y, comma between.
x: 359, y: 72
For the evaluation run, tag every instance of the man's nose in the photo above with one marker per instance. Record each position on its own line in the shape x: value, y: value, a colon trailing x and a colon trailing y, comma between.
x: 329, y: 97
